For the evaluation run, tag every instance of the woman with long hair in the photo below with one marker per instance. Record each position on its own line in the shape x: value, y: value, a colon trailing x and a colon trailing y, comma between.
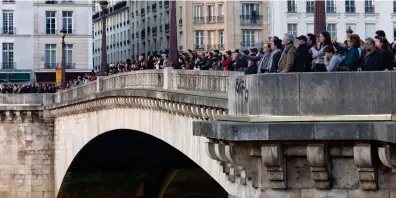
x: 317, y: 52
x: 382, y: 43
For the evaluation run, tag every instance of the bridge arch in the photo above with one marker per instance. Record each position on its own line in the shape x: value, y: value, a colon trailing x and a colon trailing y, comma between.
x: 74, y: 131
x: 133, y: 163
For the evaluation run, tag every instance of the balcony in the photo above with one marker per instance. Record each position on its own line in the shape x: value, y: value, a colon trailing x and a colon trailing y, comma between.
x: 154, y: 7
x: 251, y: 19
x: 51, y: 65
x: 70, y: 65
x: 8, y: 1
x: 67, y: 1
x: 8, y: 65
x: 292, y: 8
x: 330, y: 9
x: 167, y: 27
x: 211, y: 19
x: 180, y: 21
x: 8, y: 30
x: 166, y: 3
x: 369, y: 9
x: 199, y: 46
x: 250, y: 45
x: 50, y: 2
x: 211, y: 46
x: 198, y: 19
x: 221, y: 46
x: 220, y: 19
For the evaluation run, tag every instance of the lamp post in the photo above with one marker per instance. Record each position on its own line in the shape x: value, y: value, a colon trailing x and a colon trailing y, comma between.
x: 63, y: 76
x: 173, y: 52
x: 104, y: 8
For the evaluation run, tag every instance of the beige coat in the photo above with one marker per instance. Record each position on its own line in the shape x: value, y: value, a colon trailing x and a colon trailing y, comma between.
x: 287, y: 60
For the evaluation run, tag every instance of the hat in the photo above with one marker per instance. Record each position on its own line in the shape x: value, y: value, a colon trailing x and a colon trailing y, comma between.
x: 302, y: 38
x: 290, y: 37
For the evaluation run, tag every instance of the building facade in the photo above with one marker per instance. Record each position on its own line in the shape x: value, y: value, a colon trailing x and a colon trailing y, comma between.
x: 118, y: 33
x: 49, y: 17
x: 364, y: 17
x: 209, y: 25
x: 16, y: 25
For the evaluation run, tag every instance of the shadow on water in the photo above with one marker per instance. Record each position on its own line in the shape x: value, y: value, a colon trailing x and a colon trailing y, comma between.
x: 125, y: 163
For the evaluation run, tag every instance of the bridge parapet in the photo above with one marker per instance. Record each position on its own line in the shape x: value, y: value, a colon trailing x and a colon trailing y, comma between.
x: 212, y: 82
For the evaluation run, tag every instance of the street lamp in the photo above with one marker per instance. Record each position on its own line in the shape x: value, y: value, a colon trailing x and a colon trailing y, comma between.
x: 104, y: 8
x: 63, y: 76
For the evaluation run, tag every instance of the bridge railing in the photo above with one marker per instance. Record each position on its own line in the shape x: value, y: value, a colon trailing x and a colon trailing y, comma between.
x: 213, y: 82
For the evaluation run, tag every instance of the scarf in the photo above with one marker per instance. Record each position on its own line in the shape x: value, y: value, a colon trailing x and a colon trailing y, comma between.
x: 270, y: 63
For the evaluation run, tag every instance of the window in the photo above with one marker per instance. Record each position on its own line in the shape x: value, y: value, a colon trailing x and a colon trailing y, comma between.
x: 69, y: 56
x: 310, y: 6
x: 250, y: 13
x: 199, y: 39
x: 291, y: 6
x: 394, y: 6
x: 210, y: 10
x: 67, y: 20
x: 293, y: 29
x: 50, y: 56
x: 331, y: 6
x: 8, y: 22
x: 198, y: 14
x: 8, y: 56
x: 350, y: 6
x: 310, y: 28
x: 220, y: 39
x: 211, y: 39
x: 250, y: 38
x: 50, y: 22
x: 369, y: 6
x: 369, y: 29
x: 220, y: 9
x: 331, y: 28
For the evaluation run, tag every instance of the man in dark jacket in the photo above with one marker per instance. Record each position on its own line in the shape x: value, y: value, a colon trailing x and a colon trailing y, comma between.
x: 374, y: 56
x: 302, y: 59
x: 240, y: 63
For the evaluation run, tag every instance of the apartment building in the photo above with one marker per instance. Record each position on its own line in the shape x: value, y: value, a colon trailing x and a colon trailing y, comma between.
x: 49, y: 17
x: 150, y: 25
x: 118, y: 33
x: 16, y: 29
x: 209, y: 25
x: 364, y: 17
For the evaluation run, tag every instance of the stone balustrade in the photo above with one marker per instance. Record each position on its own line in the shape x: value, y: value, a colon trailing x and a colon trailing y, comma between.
x: 213, y: 82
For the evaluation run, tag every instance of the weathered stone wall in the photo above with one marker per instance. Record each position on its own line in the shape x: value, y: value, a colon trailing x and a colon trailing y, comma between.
x: 26, y: 155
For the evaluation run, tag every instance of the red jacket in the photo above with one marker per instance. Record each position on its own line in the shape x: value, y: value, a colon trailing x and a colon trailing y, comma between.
x: 225, y: 63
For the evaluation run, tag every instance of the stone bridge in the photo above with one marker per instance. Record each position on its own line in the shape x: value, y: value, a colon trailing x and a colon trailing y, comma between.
x: 176, y: 133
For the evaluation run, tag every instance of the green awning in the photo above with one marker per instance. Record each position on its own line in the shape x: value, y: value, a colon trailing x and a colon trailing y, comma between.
x: 14, y: 77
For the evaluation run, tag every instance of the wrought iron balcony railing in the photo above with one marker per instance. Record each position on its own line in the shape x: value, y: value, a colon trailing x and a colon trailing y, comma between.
x: 221, y: 46
x: 198, y: 19
x: 251, y: 19
x: 220, y: 19
x: 199, y: 46
x: 51, y: 65
x: 8, y: 65
x: 8, y: 30
x: 211, y: 46
x: 211, y: 19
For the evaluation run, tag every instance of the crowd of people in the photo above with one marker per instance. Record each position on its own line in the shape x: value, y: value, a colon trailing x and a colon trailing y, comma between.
x: 306, y: 53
